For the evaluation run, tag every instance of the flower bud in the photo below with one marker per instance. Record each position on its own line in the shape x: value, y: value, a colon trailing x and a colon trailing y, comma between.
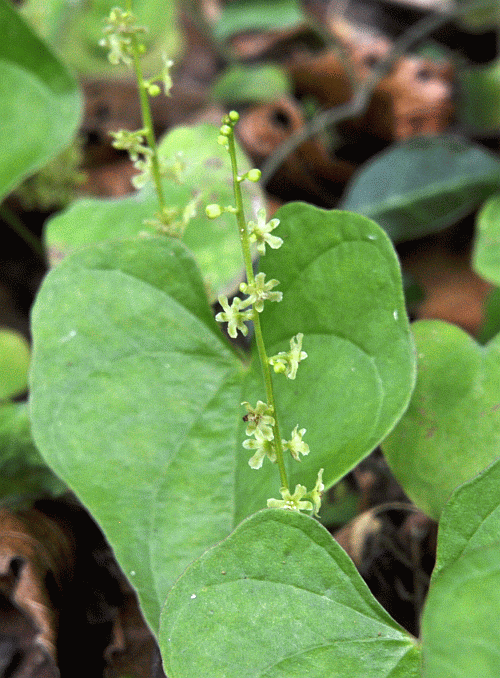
x: 254, y: 175
x: 225, y: 130
x: 234, y: 116
x: 153, y: 90
x: 213, y: 211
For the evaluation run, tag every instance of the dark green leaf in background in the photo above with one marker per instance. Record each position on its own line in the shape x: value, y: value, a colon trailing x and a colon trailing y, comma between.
x: 23, y: 473
x: 486, y: 253
x: 279, y: 598
x: 40, y: 102
x: 423, y: 185
x: 241, y: 83
x: 14, y: 363
x: 257, y: 15
x: 451, y: 430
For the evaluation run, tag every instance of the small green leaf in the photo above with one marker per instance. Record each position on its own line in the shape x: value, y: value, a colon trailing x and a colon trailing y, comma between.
x: 241, y: 83
x: 206, y: 175
x: 23, y: 473
x: 14, y: 363
x: 460, y: 630
x: 257, y: 15
x: 491, y: 316
x: 40, y: 103
x: 423, y: 185
x: 451, y: 430
x: 279, y: 598
x: 486, y: 254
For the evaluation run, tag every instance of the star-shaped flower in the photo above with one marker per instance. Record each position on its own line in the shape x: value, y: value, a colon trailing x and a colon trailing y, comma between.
x: 262, y: 449
x: 234, y: 316
x: 288, y: 361
x: 296, y: 445
x: 259, y: 418
x: 260, y: 290
x: 260, y: 232
x: 291, y: 502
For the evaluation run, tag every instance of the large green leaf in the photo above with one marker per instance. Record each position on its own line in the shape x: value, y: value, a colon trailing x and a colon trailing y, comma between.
x: 342, y: 289
x: 40, y: 102
x: 137, y: 418
x: 423, y: 185
x: 136, y: 395
x: 206, y: 175
x: 277, y: 598
x: 451, y: 430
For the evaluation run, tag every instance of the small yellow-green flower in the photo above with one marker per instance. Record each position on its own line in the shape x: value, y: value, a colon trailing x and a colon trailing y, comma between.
x: 260, y: 232
x: 259, y: 418
x: 118, y: 36
x: 291, y: 502
x: 288, y: 361
x: 234, y: 316
x: 263, y: 448
x: 260, y: 291
x: 317, y: 492
x: 296, y: 445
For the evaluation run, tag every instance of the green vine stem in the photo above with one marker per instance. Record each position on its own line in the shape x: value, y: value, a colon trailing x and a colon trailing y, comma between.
x: 147, y: 122
x: 247, y: 256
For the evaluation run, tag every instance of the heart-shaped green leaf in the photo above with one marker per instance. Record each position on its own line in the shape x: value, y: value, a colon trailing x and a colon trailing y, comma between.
x: 136, y: 395
x: 277, y: 598
x: 206, y: 176
x: 423, y: 185
x: 40, y: 102
x: 334, y: 268
x: 451, y: 430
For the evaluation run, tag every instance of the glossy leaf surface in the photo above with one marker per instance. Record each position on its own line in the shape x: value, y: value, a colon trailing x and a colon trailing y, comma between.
x: 280, y: 598
x: 40, y: 102
x: 451, y: 430
x: 422, y: 185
